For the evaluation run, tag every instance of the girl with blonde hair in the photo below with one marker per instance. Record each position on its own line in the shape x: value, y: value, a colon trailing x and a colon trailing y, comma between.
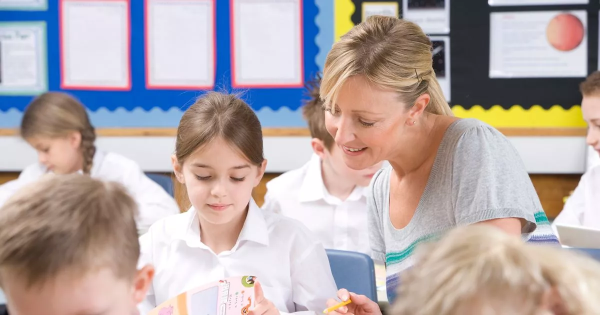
x: 383, y: 102
x: 57, y: 126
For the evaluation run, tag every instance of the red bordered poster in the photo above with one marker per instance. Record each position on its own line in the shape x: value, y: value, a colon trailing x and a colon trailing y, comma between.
x: 267, y: 43
x: 180, y: 44
x: 95, y: 39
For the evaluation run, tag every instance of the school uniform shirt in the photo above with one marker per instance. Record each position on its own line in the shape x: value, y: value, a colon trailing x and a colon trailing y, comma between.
x: 301, y: 194
x: 290, y: 264
x: 583, y: 206
x: 153, y: 201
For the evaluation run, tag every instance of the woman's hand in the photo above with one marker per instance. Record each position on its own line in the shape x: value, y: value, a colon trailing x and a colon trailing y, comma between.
x: 361, y: 305
x: 262, y: 306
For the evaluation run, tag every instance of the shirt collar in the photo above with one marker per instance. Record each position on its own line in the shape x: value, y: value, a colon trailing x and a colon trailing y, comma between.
x: 314, y: 189
x: 255, y: 228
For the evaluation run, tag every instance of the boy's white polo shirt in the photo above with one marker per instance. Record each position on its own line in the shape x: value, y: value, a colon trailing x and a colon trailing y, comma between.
x: 290, y: 263
x: 301, y: 194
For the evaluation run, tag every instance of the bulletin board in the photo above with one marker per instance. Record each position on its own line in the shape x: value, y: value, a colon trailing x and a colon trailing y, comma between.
x: 529, y: 103
x: 143, y: 107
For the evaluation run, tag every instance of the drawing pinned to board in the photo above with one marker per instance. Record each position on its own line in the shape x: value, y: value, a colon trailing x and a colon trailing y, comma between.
x: 25, y: 5
x: 23, y: 68
x: 432, y: 15
x: 173, y: 61
x: 541, y: 44
x: 534, y: 2
x: 267, y: 44
x: 94, y: 40
x: 441, y: 62
x: 389, y: 8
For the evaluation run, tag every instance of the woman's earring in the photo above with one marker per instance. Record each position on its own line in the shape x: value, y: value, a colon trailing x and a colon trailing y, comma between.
x: 412, y: 123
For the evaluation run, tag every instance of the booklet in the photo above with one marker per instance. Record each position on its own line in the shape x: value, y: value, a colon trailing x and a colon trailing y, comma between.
x: 231, y: 296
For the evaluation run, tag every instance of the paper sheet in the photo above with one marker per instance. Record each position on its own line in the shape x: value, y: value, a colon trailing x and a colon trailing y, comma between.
x: 379, y: 8
x: 180, y: 44
x: 95, y: 44
x: 23, y: 5
x: 541, y: 44
x: 267, y: 43
x: 534, y: 2
x: 432, y: 15
x: 441, y: 62
x: 23, y: 58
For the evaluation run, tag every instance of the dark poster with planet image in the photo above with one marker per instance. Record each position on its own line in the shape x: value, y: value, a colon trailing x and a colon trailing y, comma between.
x: 540, y: 44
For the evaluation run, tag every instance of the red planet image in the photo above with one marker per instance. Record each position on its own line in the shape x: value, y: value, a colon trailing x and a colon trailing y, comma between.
x: 565, y: 32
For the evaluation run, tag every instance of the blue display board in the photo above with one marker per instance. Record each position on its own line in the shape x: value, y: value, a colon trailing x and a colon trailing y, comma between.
x: 141, y: 107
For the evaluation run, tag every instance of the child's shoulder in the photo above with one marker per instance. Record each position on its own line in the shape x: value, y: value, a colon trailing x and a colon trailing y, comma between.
x: 170, y: 227
x: 278, y: 224
x: 289, y: 181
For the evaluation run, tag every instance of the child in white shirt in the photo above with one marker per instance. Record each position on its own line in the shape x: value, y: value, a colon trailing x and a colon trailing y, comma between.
x: 58, y: 128
x: 583, y: 207
x: 325, y: 194
x: 219, y: 159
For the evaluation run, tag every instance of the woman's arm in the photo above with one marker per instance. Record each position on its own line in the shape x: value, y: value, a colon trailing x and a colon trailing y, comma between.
x: 512, y: 226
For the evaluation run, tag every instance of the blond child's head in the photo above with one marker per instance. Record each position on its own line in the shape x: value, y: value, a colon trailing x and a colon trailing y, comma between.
x: 482, y: 270
x: 70, y: 247
x: 323, y: 144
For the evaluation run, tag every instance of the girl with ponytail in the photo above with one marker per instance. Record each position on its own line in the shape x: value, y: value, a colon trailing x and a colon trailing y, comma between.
x: 57, y: 126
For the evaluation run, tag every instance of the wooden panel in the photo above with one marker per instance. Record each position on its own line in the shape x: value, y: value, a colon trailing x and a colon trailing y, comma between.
x: 550, y: 188
x: 303, y: 132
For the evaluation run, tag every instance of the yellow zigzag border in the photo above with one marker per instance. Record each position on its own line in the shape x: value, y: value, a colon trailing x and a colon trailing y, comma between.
x: 343, y: 17
x: 518, y: 117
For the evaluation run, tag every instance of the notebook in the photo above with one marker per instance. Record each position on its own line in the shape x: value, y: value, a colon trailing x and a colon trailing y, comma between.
x: 231, y: 296
x: 578, y: 236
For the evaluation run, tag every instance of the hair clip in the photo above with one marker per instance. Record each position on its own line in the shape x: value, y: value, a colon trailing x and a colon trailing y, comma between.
x: 418, y: 77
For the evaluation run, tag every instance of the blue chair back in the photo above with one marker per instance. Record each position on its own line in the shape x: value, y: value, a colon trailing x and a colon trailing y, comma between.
x: 164, y: 181
x: 594, y: 253
x: 353, y: 271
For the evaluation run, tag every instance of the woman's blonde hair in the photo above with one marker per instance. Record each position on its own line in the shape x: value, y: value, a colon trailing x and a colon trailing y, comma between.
x: 483, y: 270
x: 391, y: 53
x: 55, y: 114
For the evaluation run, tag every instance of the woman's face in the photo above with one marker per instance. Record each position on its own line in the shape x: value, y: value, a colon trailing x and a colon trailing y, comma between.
x: 367, y: 123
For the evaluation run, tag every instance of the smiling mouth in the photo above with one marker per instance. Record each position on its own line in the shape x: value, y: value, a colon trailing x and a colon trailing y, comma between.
x: 354, y: 149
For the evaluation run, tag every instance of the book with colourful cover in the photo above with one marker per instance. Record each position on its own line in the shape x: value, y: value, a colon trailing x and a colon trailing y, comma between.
x: 231, y: 296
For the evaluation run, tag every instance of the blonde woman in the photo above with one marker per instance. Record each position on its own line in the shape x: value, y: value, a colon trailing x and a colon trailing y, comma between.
x: 383, y: 102
x: 481, y: 270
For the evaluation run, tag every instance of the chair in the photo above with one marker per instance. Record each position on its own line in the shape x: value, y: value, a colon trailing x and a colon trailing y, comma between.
x: 353, y: 271
x: 164, y: 181
x: 594, y: 253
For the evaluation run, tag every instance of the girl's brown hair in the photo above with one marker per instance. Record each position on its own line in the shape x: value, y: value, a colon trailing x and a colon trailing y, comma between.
x: 218, y: 115
x: 55, y: 114
x: 391, y: 53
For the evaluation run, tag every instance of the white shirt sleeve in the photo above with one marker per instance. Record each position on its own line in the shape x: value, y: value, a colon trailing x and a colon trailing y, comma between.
x: 572, y: 213
x: 153, y: 201
x: 30, y: 174
x: 312, y: 280
x: 149, y: 303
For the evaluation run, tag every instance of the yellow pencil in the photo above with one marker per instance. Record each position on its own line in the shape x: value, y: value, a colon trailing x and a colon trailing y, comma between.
x: 335, y: 307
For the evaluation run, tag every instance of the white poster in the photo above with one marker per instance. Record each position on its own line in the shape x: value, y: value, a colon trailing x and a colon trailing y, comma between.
x: 95, y: 45
x: 23, y: 58
x: 432, y: 15
x: 37, y: 5
x: 535, y: 2
x: 180, y: 44
x: 267, y: 43
x: 389, y: 8
x: 542, y: 44
x: 441, y: 62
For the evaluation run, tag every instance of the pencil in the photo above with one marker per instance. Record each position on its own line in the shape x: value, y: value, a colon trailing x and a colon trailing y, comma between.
x: 335, y: 307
